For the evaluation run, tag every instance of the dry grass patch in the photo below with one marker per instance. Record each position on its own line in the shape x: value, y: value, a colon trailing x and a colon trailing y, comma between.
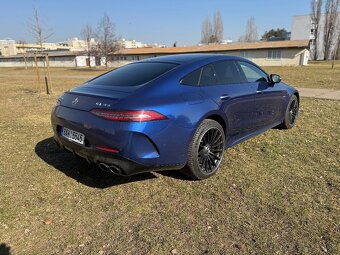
x: 318, y: 74
x: 276, y: 194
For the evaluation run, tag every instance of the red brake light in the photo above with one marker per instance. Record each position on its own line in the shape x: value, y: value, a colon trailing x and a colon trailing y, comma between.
x: 129, y: 116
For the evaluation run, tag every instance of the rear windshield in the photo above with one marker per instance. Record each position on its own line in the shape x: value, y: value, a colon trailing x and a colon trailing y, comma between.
x: 133, y: 74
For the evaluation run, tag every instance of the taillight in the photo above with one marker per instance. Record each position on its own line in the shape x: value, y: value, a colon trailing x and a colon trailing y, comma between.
x: 129, y: 116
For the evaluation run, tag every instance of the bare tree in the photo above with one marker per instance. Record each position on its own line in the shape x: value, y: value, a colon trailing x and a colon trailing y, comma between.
x: 315, y: 15
x: 251, y: 34
x: 107, y: 39
x: 87, y: 34
x: 41, y: 35
x: 330, y: 30
x: 207, y: 31
x: 212, y: 33
x: 218, y: 27
x: 338, y: 46
x: 38, y: 30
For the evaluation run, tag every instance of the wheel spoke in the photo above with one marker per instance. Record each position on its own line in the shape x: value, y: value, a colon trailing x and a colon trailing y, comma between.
x: 217, y: 140
x: 205, y: 163
x: 214, y: 156
x: 216, y: 150
x: 215, y: 136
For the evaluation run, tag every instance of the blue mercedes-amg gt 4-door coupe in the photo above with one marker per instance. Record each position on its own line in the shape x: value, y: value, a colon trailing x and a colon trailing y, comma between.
x: 171, y: 112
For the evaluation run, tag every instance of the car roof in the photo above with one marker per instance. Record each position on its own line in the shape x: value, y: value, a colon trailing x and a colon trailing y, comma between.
x: 189, y: 58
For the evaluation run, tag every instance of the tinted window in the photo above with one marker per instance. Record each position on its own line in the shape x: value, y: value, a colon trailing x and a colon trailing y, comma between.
x: 252, y: 73
x: 227, y: 72
x: 208, y: 76
x: 133, y: 74
x: 192, y: 78
x: 218, y: 73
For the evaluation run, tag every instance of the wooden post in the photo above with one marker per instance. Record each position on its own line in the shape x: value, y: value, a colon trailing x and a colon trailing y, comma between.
x: 49, y: 73
x: 25, y: 61
x: 37, y: 69
x: 45, y: 76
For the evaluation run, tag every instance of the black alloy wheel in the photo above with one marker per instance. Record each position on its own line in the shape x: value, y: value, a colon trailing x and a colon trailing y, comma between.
x: 206, y: 150
x: 291, y: 113
x: 210, y: 150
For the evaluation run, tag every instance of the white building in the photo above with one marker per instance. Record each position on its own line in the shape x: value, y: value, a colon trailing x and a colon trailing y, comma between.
x: 304, y: 29
x: 7, y: 47
x: 275, y: 53
x: 131, y: 44
x: 76, y: 44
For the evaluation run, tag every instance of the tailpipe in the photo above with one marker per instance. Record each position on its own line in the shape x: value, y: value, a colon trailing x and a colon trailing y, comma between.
x: 110, y: 168
x: 115, y: 170
x: 104, y: 167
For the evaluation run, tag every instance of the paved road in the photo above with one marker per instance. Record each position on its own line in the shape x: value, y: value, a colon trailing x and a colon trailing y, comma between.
x: 320, y: 93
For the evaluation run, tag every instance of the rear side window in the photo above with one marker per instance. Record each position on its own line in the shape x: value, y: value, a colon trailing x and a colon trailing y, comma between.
x: 208, y: 76
x: 218, y: 73
x: 227, y: 72
x: 192, y: 78
x: 133, y: 74
x: 252, y: 73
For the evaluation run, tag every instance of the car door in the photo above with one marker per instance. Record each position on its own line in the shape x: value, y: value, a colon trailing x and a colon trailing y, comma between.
x: 268, y: 99
x: 223, y: 82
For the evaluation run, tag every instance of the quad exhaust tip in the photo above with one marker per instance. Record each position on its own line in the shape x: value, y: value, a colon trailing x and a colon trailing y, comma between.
x: 104, y: 167
x: 110, y: 168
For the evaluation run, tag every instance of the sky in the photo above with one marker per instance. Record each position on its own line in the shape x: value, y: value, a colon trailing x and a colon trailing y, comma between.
x: 149, y: 21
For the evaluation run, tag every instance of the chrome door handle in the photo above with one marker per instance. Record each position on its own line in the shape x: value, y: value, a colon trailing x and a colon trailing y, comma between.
x: 259, y: 92
x: 224, y: 97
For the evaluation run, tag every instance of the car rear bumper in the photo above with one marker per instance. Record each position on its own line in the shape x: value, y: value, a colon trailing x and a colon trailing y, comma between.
x: 141, y: 147
x: 126, y: 167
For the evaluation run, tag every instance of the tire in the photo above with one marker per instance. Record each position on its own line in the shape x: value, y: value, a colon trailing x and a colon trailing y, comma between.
x: 206, y: 150
x: 291, y: 113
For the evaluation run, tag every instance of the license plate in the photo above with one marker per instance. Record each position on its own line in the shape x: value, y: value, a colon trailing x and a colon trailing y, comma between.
x: 73, y: 135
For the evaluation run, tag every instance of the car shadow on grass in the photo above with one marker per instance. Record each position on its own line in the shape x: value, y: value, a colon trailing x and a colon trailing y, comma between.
x: 79, y: 169
x: 5, y: 249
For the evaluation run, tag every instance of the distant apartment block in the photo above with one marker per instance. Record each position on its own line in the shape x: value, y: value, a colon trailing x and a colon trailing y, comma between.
x: 23, y: 48
x: 76, y: 44
x: 131, y: 44
x: 7, y: 47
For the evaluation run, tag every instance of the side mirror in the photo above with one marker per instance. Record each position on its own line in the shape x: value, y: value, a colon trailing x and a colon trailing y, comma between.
x: 275, y: 78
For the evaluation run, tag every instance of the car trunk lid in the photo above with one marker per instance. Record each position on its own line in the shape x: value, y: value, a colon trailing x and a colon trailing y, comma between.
x: 88, y: 97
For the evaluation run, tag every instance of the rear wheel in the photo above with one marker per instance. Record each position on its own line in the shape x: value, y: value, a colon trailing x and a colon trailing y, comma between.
x: 206, y: 150
x: 291, y: 114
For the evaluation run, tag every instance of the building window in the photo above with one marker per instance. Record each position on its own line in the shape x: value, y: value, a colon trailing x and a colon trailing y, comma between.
x: 135, y: 58
x: 245, y: 54
x: 274, y: 54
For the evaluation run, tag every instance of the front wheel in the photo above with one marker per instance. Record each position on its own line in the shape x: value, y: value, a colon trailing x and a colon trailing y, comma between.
x: 206, y: 150
x: 291, y: 113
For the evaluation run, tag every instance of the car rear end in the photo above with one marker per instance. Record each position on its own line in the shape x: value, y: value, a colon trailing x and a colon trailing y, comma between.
x: 92, y: 122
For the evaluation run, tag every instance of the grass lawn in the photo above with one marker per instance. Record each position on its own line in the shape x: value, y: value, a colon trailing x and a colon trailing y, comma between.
x: 318, y: 74
x: 278, y: 193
